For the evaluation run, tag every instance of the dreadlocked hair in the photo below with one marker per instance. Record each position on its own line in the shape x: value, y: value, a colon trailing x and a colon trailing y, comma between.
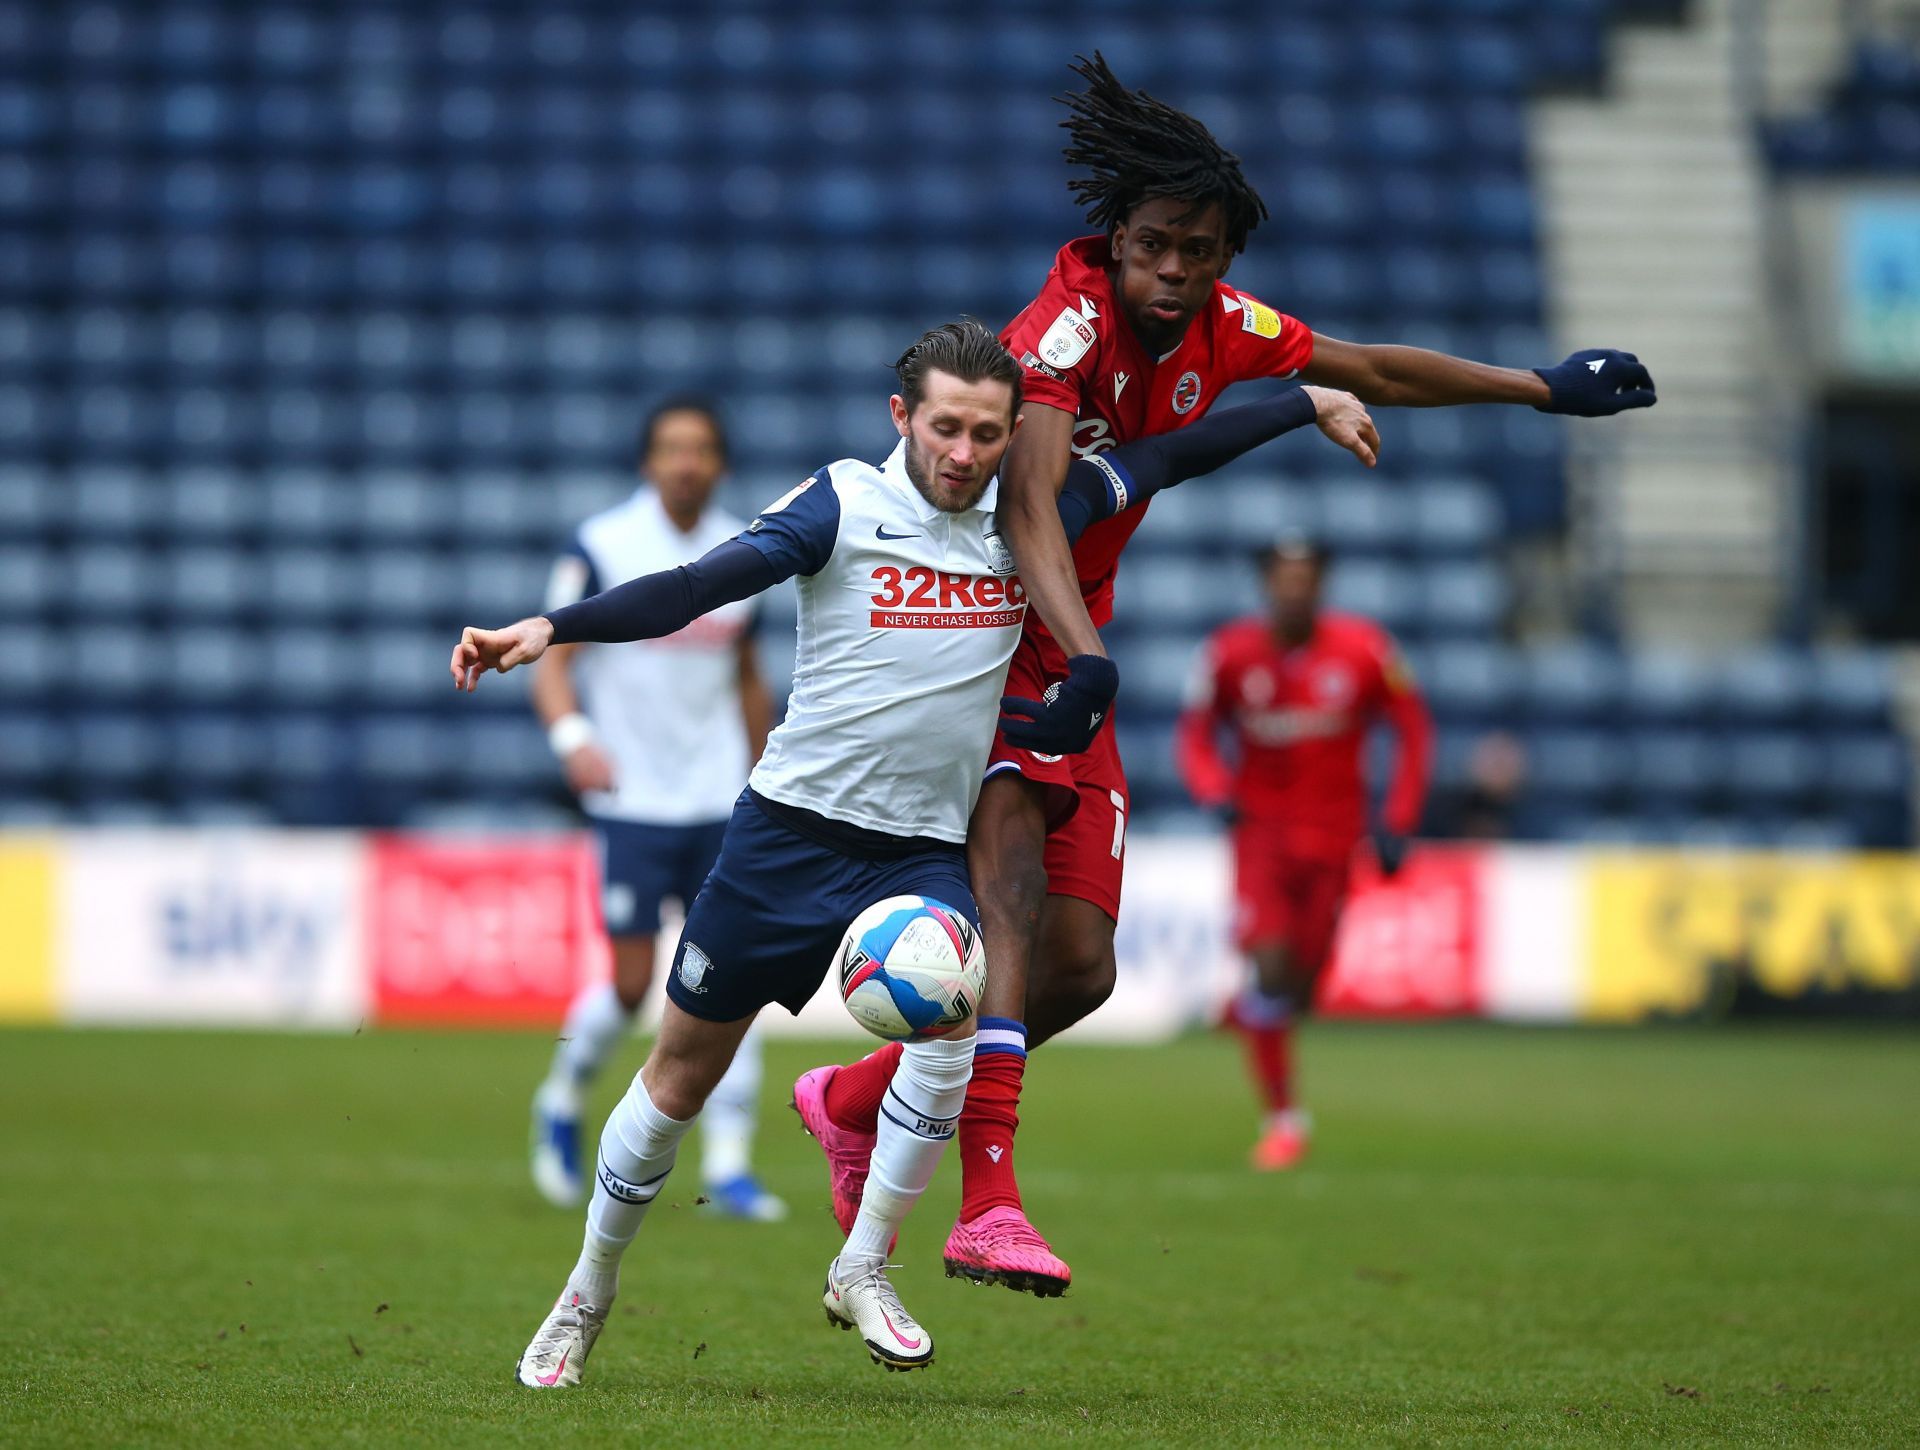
x: 1138, y: 148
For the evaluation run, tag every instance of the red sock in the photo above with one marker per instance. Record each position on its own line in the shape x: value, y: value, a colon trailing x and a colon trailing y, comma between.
x: 854, y: 1093
x: 987, y: 1125
x: 1270, y: 1060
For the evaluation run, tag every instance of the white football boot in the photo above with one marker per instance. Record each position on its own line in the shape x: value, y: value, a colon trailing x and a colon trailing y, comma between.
x: 554, y: 1145
x: 559, y: 1350
x: 867, y: 1302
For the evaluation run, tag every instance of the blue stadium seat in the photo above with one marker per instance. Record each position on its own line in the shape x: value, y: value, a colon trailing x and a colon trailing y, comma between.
x: 1577, y: 682
x: 210, y: 749
x: 1771, y: 766
x: 115, y: 746
x: 1469, y: 680
x: 113, y: 500
x: 210, y: 582
x: 1673, y: 767
x: 1764, y: 686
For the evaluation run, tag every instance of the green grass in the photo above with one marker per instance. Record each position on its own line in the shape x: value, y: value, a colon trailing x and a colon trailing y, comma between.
x: 1502, y: 1236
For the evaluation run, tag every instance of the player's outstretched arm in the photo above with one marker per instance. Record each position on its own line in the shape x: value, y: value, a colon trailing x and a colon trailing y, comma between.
x: 1031, y: 476
x: 1592, y: 383
x: 1108, y: 483
x: 644, y: 608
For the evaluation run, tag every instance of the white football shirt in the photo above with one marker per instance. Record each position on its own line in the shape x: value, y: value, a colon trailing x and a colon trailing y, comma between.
x: 667, y: 710
x: 908, y: 617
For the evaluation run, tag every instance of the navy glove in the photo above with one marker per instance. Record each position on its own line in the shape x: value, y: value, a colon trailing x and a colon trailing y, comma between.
x: 1597, y: 382
x: 1390, y: 850
x: 1066, y: 721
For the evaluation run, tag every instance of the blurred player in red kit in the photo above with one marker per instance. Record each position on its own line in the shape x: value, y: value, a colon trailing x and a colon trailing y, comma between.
x: 1297, y: 691
x: 1135, y: 333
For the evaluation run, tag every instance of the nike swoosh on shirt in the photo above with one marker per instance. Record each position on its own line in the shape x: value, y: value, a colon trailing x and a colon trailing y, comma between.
x: 880, y: 532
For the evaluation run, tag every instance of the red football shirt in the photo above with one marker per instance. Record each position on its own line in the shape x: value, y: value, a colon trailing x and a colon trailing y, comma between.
x: 1079, y: 354
x: 1299, y: 717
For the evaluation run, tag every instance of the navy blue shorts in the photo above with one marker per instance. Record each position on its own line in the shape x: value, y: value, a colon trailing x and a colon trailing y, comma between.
x: 767, y: 923
x: 641, y: 865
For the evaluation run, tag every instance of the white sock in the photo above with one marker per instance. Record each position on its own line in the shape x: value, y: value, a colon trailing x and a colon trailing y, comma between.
x: 597, y: 1022
x: 917, y: 1118
x: 726, y: 1123
x: 637, y: 1149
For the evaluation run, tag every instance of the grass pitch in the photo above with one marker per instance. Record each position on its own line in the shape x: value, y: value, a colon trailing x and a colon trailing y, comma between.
x: 1502, y: 1236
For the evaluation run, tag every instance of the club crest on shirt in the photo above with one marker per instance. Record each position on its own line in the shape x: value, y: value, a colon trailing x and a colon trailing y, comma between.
x: 1333, y: 685
x: 1257, y: 686
x: 694, y: 966
x: 999, y: 556
x: 1186, y: 392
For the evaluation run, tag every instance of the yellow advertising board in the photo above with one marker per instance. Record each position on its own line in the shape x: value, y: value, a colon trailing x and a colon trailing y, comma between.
x: 1683, y: 935
x: 27, y: 869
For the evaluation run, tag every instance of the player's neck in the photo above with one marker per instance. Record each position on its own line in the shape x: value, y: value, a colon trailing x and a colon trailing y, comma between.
x: 1292, y: 634
x: 686, y: 520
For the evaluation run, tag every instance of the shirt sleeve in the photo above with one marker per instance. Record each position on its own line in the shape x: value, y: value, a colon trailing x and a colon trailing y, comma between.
x: 1204, y: 769
x: 798, y: 530
x: 1057, y: 346
x: 1266, y: 343
x: 573, y: 577
x: 1406, y: 711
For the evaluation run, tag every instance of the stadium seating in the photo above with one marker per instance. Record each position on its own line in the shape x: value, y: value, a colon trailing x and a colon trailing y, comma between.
x: 319, y: 325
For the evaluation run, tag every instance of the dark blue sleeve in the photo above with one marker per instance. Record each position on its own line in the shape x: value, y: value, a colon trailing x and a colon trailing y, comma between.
x: 797, y: 531
x: 577, y: 549
x: 660, y: 604
x: 1104, y: 484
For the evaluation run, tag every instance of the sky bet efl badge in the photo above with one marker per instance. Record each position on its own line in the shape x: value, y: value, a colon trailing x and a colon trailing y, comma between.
x: 1067, y: 340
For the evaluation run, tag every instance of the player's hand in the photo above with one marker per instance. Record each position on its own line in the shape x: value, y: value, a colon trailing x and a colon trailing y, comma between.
x: 1390, y: 850
x: 1597, y: 382
x: 1066, y: 721
x: 1344, y: 419
x: 498, y: 649
x: 588, y: 769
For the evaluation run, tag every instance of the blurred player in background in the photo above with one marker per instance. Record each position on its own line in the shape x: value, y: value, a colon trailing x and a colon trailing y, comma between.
x: 1297, y: 690
x: 1134, y: 333
x: 656, y: 737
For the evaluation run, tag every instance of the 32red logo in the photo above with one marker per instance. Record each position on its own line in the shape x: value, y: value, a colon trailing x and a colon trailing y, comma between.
x: 923, y: 598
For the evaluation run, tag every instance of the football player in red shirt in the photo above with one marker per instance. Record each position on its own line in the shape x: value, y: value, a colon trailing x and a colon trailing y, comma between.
x: 1136, y: 331
x: 1297, y: 690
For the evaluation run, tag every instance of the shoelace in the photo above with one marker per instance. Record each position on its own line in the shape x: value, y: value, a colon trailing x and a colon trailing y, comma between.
x: 1016, y: 1232
x: 889, y: 1296
x: 567, y: 1317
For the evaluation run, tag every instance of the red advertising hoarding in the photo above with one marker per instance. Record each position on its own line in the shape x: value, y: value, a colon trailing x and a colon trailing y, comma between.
x: 490, y: 933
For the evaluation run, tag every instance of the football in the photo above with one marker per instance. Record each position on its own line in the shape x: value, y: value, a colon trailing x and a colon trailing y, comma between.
x: 911, y: 967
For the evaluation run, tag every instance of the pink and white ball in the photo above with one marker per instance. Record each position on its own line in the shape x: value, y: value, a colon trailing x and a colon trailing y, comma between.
x: 911, y: 967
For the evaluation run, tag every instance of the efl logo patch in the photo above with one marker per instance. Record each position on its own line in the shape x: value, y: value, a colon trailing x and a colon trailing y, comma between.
x: 778, y: 504
x: 1186, y: 392
x: 1067, y: 340
x: 1258, y: 318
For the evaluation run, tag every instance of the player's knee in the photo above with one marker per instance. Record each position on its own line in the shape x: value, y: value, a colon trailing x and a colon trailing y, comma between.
x: 1093, y: 984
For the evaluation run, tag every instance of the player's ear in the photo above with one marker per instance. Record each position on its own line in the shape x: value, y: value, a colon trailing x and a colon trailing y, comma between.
x: 1117, y: 239
x: 897, y: 405
x: 1225, y: 262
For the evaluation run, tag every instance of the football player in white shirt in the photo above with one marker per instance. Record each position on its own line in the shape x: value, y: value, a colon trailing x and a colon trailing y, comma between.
x: 656, y: 737
x: 909, y: 612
